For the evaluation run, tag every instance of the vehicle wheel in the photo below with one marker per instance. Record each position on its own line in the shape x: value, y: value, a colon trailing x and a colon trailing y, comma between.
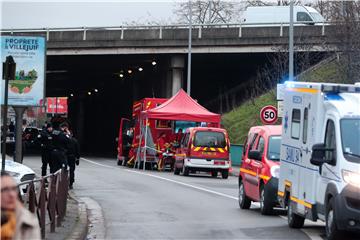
x: 294, y: 220
x: 244, y: 201
x: 225, y: 174
x: 214, y: 174
x: 266, y: 207
x: 332, y: 232
x: 185, y: 171
x: 176, y: 171
x: 119, y: 162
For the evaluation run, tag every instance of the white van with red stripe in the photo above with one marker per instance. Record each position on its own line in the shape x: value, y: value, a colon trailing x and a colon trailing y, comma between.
x: 204, y: 149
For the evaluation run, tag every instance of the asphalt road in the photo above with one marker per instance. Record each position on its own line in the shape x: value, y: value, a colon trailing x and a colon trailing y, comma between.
x: 159, y: 205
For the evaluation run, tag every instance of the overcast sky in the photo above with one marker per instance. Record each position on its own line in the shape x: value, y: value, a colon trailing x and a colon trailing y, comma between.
x: 41, y: 14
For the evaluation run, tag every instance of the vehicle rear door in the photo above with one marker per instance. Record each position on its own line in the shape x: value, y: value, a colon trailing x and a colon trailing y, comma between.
x: 123, y: 137
x: 208, y: 148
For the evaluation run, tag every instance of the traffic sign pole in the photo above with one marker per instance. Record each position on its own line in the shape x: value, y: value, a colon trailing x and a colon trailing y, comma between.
x: 9, y: 68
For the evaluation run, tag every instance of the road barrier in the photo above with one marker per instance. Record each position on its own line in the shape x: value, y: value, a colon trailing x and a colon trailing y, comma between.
x: 49, y: 194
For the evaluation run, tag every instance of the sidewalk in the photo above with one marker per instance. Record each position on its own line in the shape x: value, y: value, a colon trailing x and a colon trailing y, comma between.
x: 75, y: 224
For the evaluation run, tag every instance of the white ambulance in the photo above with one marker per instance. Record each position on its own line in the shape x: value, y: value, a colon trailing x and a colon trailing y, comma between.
x: 320, y: 156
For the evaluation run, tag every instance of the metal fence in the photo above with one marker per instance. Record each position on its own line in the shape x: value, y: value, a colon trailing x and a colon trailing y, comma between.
x: 47, y: 194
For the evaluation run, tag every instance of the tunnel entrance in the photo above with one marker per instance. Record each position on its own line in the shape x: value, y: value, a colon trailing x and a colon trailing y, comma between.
x: 102, y: 88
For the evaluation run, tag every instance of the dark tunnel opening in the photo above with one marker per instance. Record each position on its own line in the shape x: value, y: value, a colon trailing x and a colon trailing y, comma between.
x: 101, y: 90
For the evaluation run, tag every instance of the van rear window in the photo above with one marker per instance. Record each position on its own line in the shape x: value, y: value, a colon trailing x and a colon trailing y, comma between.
x: 209, y: 139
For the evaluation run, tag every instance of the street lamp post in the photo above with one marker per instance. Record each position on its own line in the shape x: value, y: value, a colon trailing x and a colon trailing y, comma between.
x: 189, y: 51
x: 291, y: 42
x: 9, y: 67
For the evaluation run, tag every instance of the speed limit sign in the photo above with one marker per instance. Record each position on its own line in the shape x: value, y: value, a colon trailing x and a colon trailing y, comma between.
x: 268, y: 114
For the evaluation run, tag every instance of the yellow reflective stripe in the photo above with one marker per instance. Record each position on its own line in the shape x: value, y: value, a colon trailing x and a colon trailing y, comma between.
x: 221, y: 150
x: 281, y: 194
x: 197, y: 149
x: 294, y: 199
x: 180, y: 155
x: 226, y: 148
x: 248, y: 171
x: 304, y: 90
x: 264, y: 177
x: 205, y: 148
x: 212, y: 149
x: 287, y: 183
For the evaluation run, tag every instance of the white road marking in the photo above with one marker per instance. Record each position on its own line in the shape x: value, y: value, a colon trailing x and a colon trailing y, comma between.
x: 184, y: 184
x: 311, y: 233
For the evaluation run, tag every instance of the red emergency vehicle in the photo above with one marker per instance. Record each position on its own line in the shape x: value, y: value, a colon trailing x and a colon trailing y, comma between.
x: 204, y: 149
x: 259, y: 171
x: 129, y: 133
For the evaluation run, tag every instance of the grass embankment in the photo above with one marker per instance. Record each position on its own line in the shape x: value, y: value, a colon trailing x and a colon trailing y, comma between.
x: 239, y: 121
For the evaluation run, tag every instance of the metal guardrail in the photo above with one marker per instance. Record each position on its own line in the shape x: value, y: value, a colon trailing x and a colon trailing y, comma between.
x: 160, y: 28
x: 50, y: 195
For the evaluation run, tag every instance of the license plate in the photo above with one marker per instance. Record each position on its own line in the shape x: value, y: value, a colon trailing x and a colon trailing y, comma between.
x: 219, y: 162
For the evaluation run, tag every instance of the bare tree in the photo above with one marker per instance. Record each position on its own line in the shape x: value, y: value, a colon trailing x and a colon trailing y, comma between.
x: 213, y: 11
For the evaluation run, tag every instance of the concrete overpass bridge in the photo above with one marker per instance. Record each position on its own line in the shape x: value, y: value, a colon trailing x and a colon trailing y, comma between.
x: 215, y: 38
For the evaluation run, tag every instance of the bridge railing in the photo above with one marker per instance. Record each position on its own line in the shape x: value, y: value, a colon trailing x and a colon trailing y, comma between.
x: 47, y: 194
x: 160, y: 28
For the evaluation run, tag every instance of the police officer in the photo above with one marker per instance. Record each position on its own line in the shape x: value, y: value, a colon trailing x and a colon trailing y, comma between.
x: 46, y: 148
x: 60, y: 147
x: 73, y: 156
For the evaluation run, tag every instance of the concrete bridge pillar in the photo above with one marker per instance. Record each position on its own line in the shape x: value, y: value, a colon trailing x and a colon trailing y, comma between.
x: 177, y: 64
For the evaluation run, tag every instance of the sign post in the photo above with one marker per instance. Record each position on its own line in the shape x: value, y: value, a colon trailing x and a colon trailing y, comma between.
x: 9, y: 68
x: 268, y: 115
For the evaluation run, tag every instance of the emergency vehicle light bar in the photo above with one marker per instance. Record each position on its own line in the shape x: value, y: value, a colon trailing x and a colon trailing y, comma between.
x: 340, y: 88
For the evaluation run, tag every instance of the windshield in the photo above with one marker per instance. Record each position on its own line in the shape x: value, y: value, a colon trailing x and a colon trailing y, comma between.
x: 350, y: 138
x: 274, y: 148
x: 317, y: 17
x: 209, y: 139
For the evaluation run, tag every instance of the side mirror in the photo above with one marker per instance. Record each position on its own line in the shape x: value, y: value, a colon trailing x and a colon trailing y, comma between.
x: 318, y: 155
x: 255, y: 154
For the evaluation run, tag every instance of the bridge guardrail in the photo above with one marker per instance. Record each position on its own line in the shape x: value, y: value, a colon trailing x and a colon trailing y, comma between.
x: 160, y: 28
x: 49, y: 194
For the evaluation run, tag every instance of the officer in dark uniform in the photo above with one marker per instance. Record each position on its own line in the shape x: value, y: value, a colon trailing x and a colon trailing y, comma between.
x: 60, y: 147
x: 46, y: 148
x: 73, y: 155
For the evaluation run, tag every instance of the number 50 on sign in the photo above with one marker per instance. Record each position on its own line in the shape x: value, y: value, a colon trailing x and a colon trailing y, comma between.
x: 268, y: 115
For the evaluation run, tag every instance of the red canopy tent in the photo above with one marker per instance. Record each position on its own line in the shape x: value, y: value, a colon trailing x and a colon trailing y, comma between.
x: 182, y: 107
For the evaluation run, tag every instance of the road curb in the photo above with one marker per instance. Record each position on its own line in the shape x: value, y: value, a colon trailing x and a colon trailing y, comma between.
x: 80, y: 230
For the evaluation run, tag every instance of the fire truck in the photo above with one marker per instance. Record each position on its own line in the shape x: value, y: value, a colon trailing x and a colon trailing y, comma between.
x: 130, y: 130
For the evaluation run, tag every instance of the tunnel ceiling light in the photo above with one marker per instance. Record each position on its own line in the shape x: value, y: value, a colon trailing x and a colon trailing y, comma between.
x: 89, y: 93
x: 140, y: 69
x: 121, y: 75
x: 96, y: 90
x: 153, y: 63
x: 129, y: 71
x: 71, y: 94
